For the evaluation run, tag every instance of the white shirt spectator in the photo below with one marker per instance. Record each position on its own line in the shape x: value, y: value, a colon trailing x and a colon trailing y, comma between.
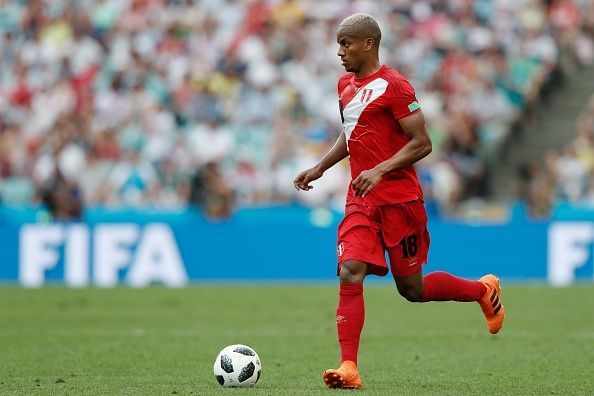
x: 85, y: 53
x: 71, y: 160
x: 211, y: 142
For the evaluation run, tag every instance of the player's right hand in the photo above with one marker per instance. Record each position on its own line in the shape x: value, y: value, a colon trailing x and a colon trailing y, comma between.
x: 303, y: 179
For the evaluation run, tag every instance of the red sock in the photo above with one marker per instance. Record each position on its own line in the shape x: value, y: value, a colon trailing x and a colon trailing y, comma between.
x: 350, y: 316
x: 441, y: 286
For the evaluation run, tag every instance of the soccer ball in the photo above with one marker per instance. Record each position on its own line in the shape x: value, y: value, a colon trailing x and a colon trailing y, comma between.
x: 237, y: 366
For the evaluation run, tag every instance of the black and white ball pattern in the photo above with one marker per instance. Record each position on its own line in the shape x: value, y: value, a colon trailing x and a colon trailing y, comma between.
x: 237, y: 366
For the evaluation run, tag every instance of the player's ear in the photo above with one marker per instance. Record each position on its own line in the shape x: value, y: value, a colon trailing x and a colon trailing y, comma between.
x: 368, y: 44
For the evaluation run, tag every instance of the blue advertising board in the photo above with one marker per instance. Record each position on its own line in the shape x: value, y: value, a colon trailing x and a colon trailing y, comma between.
x: 286, y: 244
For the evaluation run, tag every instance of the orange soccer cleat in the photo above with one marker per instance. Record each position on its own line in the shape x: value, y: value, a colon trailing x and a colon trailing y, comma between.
x: 345, y: 377
x: 491, y: 303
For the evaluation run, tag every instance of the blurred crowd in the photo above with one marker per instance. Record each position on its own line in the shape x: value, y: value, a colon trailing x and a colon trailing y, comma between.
x: 220, y: 103
x: 565, y: 175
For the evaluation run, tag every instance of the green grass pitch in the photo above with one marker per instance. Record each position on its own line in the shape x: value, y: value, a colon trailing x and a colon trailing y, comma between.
x: 162, y: 341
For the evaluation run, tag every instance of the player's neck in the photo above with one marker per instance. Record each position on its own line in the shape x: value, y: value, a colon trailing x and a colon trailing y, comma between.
x: 368, y: 69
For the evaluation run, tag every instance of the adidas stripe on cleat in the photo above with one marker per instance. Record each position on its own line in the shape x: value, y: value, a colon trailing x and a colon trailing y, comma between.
x: 491, y: 304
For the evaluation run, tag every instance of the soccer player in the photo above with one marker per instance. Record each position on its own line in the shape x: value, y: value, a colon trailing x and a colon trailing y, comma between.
x: 384, y: 134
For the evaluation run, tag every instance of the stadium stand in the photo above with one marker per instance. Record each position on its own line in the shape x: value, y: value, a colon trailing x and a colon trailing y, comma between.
x: 565, y: 175
x: 161, y: 103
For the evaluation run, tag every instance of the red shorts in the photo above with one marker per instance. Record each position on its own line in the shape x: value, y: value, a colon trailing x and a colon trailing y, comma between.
x: 366, y: 233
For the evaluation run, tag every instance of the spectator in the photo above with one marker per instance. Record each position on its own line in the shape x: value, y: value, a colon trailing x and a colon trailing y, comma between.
x: 62, y: 198
x: 150, y: 89
x: 210, y: 192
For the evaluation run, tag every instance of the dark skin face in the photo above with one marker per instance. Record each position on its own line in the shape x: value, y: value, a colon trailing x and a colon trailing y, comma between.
x: 358, y: 55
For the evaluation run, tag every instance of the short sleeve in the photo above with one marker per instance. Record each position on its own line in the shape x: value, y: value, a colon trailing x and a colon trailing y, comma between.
x: 402, y: 100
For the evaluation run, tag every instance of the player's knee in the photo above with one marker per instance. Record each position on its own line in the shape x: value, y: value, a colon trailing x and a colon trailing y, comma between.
x: 412, y: 293
x: 351, y: 273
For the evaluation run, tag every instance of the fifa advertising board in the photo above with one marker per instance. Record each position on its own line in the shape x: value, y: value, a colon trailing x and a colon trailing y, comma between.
x: 97, y: 256
x: 570, y: 252
x: 139, y: 254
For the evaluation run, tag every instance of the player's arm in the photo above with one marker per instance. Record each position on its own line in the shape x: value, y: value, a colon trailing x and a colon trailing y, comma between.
x: 337, y: 153
x: 418, y: 146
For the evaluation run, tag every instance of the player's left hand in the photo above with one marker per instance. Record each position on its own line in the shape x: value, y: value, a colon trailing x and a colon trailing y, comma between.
x: 365, y: 182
